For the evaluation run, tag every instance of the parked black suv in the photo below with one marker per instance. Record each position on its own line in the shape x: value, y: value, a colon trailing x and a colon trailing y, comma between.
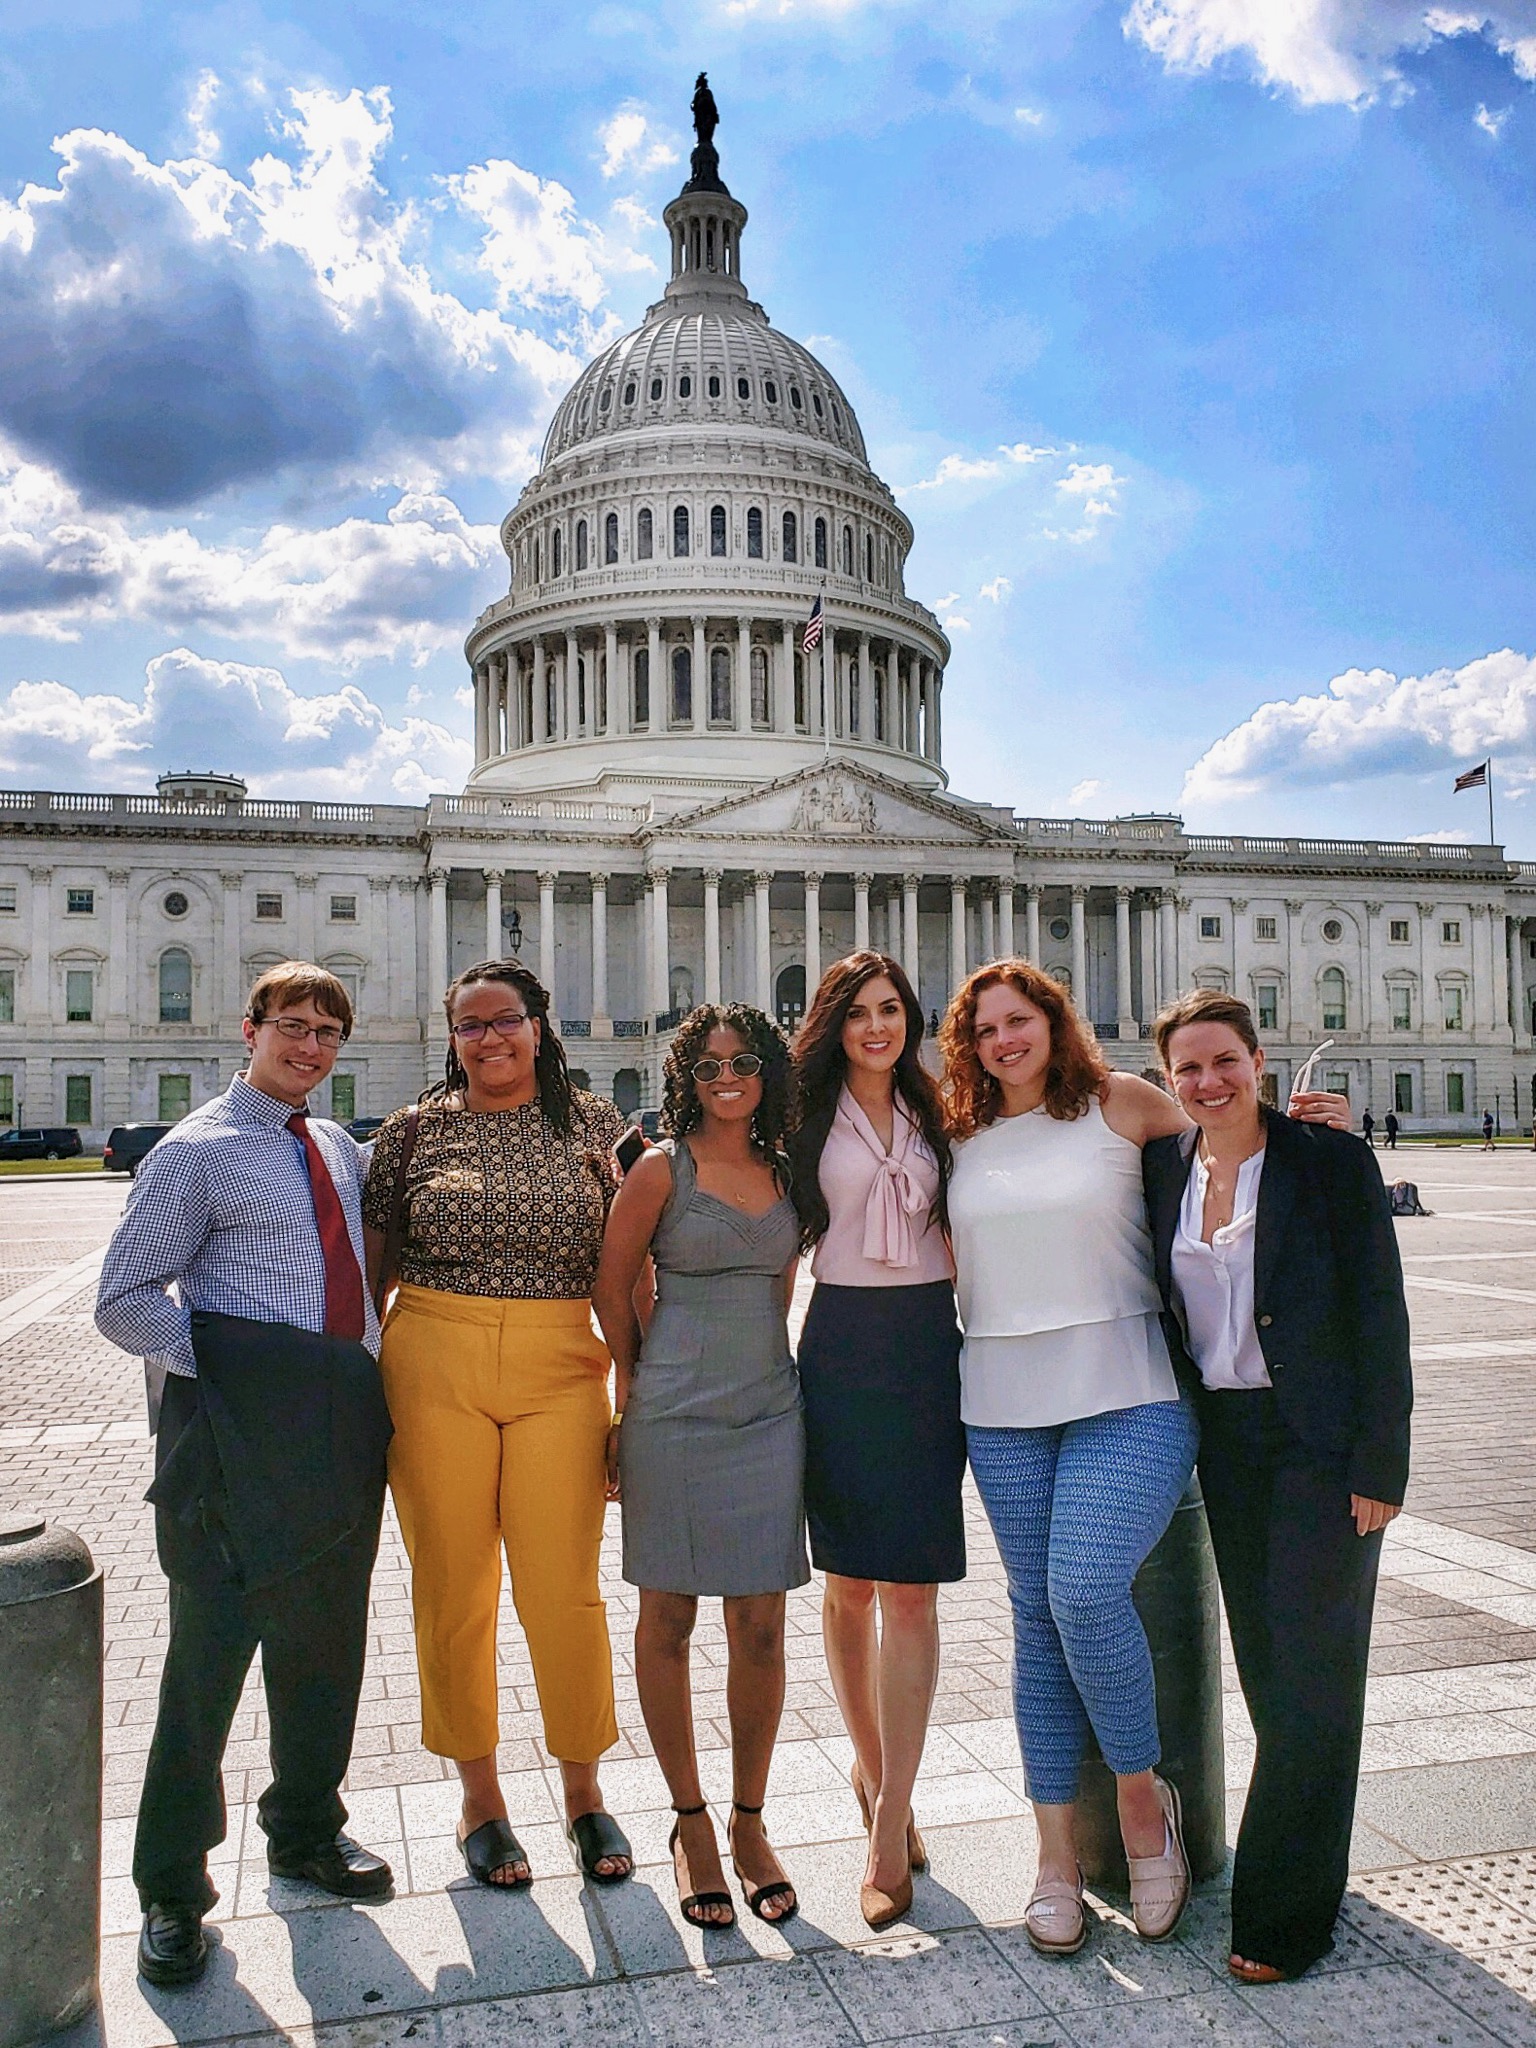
x: 362, y: 1128
x: 60, y: 1142
x: 127, y: 1145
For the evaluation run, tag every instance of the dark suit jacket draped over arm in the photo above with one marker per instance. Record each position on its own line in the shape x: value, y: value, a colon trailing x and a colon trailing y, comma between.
x: 1328, y: 1294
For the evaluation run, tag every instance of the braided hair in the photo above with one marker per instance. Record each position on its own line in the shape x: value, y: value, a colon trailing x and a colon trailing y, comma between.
x: 681, y: 1110
x: 556, y: 1095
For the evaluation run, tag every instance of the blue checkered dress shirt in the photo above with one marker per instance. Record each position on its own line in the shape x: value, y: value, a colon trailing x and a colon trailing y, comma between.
x: 222, y: 1209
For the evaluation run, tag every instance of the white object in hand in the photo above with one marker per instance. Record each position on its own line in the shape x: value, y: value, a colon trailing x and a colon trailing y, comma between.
x: 1303, y: 1081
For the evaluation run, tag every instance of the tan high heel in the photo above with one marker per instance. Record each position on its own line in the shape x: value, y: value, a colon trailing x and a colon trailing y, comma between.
x: 917, y: 1848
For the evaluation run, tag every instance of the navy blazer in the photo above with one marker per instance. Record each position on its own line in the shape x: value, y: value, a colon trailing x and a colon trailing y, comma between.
x: 1327, y: 1294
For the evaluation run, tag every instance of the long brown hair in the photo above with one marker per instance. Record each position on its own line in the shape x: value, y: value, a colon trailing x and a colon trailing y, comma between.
x: 552, y: 1076
x: 821, y: 1067
x: 1077, y: 1071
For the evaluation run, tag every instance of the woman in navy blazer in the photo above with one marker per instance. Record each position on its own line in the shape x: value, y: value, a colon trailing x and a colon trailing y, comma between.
x: 1278, y: 1265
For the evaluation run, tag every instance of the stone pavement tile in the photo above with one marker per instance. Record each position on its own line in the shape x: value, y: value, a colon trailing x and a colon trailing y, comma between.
x: 435, y: 1862
x: 1495, y: 1988
x: 1206, y: 1931
x: 912, y: 1983
x: 1408, y: 1913
x: 1511, y: 1878
x: 606, y: 2013
x: 1392, y: 2007
x: 743, y: 2008
x: 992, y: 1743
x: 1114, y: 1969
x: 1455, y: 1738
x: 987, y: 1866
x: 1215, y: 2017
x: 1491, y: 1688
x: 1368, y: 1848
x: 1035, y: 2033
x: 1461, y: 1809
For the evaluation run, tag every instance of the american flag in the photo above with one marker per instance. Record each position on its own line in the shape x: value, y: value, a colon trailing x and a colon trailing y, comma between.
x: 1475, y: 778
x: 810, y: 635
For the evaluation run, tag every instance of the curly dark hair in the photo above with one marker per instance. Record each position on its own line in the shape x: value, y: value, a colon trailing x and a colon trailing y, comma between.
x: 557, y: 1097
x: 681, y: 1111
x: 1076, y: 1075
x: 820, y: 1067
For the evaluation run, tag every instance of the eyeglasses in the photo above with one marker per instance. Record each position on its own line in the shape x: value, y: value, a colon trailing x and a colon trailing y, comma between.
x: 328, y: 1035
x: 473, y: 1029
x: 742, y: 1064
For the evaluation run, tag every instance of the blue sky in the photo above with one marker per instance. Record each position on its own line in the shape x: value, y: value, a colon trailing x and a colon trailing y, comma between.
x: 1195, y: 336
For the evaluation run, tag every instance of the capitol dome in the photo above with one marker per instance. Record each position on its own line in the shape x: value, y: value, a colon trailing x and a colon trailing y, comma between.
x: 702, y: 483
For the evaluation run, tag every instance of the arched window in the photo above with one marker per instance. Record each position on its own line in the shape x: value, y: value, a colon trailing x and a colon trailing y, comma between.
x: 681, y: 989
x: 743, y: 387
x: 855, y: 690
x: 720, y: 686
x: 713, y: 387
x: 770, y: 391
x: 795, y: 399
x: 821, y: 543
x: 656, y: 388
x: 685, y: 386
x: 642, y: 678
x: 680, y: 529
x: 847, y: 550
x: 581, y: 693
x: 717, y: 529
x: 644, y: 532
x: 175, y: 986
x: 581, y: 543
x: 537, y: 571
x: 800, y: 725
x: 554, y: 553
x: 626, y: 1090
x: 1331, y: 987
x: 791, y: 538
x: 789, y: 997
x: 759, y: 686
x: 629, y: 392
x: 879, y: 706
x: 755, y: 531
x: 869, y: 558
x: 682, y: 686
x: 816, y: 403
x: 611, y: 537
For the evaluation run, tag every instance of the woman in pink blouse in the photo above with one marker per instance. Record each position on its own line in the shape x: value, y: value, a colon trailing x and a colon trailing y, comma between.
x: 879, y: 1371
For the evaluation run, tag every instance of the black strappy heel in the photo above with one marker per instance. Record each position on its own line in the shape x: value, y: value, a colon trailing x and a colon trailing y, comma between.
x: 765, y: 1893
x: 691, y: 1905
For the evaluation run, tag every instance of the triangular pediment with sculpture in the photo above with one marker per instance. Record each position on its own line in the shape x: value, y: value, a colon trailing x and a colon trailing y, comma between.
x: 834, y: 801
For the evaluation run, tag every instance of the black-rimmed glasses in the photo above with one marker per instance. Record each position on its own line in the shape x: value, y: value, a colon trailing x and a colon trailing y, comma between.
x: 473, y: 1029
x: 742, y: 1064
x: 328, y: 1035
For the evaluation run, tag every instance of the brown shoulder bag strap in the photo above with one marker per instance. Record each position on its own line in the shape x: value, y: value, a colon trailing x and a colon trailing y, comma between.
x: 394, y: 1235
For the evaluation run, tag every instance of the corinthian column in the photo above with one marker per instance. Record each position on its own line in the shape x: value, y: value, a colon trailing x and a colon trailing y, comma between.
x: 813, y: 933
x: 909, y: 939
x: 1080, y: 948
x: 743, y: 699
x: 956, y: 931
x: 1005, y: 919
x: 711, y: 935
x: 1125, y: 1012
x: 861, y: 912
x: 599, y: 944
x: 547, y: 934
x: 761, y: 882
x: 493, y: 941
x: 700, y: 674
x: 1032, y: 923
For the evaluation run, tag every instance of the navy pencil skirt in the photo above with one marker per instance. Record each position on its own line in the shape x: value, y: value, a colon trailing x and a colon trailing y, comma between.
x: 884, y: 1444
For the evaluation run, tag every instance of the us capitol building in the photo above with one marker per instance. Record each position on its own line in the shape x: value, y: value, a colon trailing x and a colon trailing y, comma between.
x: 671, y: 803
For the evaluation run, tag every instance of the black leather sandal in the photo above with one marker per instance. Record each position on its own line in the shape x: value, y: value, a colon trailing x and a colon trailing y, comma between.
x: 597, y: 1837
x: 491, y: 1847
x: 693, y: 1904
x: 765, y: 1894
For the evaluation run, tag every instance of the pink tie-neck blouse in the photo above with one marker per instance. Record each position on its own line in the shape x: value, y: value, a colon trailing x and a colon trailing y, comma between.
x: 881, y: 1233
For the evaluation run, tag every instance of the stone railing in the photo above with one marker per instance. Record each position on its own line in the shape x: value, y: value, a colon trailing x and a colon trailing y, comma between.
x: 539, y: 810
x: 22, y: 805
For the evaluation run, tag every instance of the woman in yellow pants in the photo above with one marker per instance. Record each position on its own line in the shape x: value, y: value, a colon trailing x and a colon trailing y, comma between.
x: 498, y: 1387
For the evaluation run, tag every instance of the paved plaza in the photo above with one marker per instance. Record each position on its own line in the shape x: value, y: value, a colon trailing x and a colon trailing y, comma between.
x: 1439, y: 1944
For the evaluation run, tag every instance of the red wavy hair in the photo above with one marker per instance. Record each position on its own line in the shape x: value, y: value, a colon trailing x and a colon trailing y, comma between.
x: 1077, y: 1071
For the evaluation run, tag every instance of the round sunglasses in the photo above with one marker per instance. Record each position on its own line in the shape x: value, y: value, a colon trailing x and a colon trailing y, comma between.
x: 742, y: 1064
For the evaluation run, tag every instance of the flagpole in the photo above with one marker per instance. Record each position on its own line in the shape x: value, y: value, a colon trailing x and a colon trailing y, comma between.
x: 826, y: 723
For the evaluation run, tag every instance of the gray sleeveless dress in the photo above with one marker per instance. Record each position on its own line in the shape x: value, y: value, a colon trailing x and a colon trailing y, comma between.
x: 712, y: 1452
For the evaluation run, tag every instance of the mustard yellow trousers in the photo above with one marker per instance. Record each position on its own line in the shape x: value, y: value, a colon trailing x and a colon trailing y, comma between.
x: 501, y: 1415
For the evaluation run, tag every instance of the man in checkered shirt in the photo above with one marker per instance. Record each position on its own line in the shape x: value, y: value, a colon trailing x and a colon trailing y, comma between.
x: 252, y: 1214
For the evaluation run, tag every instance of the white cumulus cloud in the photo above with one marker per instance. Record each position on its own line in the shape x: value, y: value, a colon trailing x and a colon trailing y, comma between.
x: 995, y: 591
x: 1327, y: 52
x: 246, y: 718
x: 632, y: 145
x: 1093, y: 490
x: 1491, y: 123
x: 1370, y: 723
x: 970, y: 469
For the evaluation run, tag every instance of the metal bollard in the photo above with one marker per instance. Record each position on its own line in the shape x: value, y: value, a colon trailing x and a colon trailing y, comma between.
x: 1176, y: 1596
x: 50, y: 1778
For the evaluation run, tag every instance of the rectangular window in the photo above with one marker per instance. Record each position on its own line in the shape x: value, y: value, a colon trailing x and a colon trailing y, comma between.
x: 343, y: 1097
x: 1455, y: 1094
x: 1450, y: 931
x: 1402, y: 1009
x: 8, y: 899
x: 80, y: 902
x: 1269, y: 1006
x: 1266, y: 928
x: 77, y: 1099
x: 268, y: 906
x: 1402, y: 1094
x: 1338, y: 1082
x: 1397, y: 930
x: 1454, y: 1020
x: 175, y: 1097
x: 1210, y: 927
x: 343, y: 910
x: 7, y: 995
x: 7, y: 1098
x: 79, y: 994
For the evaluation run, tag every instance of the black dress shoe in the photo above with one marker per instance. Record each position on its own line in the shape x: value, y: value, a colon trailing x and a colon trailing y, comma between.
x: 343, y: 1867
x: 173, y: 1948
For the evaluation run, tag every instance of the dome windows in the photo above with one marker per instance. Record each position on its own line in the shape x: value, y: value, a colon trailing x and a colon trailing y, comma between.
x: 791, y: 538
x: 795, y: 399
x: 720, y: 707
x: 816, y: 404
x: 581, y: 544
x: 680, y: 544
x: 847, y: 550
x: 869, y: 558
x: 611, y: 537
x: 629, y: 392
x: 555, y: 549
x: 682, y: 686
x: 837, y: 418
x: 717, y: 529
x: 743, y: 387
x: 760, y: 686
x: 821, y: 543
x: 645, y: 534
x: 755, y: 532
x: 656, y: 388
x: 607, y: 398
x: 712, y: 385
x: 685, y: 386
x: 641, y: 673
x: 771, y: 391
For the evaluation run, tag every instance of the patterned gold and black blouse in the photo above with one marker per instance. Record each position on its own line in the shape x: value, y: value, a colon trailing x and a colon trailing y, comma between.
x: 497, y: 1203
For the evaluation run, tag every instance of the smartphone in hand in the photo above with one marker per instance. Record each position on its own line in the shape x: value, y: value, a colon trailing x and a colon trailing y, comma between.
x: 629, y: 1148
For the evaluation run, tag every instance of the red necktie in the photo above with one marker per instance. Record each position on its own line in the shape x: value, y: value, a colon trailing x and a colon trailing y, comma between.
x: 343, y: 1277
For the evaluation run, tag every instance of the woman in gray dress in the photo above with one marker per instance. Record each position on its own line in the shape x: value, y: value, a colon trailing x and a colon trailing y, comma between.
x: 710, y: 1457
